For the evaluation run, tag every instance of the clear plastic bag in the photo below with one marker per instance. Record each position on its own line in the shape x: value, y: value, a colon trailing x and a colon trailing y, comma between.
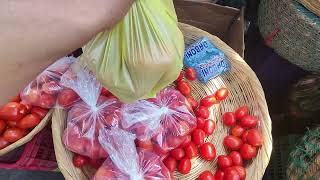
x: 141, y: 55
x: 126, y: 162
x: 87, y: 117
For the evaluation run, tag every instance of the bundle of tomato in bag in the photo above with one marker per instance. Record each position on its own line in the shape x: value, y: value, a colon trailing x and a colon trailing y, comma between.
x: 125, y: 161
x: 87, y: 117
x: 161, y: 123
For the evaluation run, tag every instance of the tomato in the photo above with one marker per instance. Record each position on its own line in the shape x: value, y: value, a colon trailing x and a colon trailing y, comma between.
x: 241, y: 112
x: 16, y: 99
x: 170, y: 163
x: 184, y: 87
x: 105, y: 92
x: 12, y: 123
x: 28, y: 107
x: 3, y: 143
x: 221, y: 94
x: 248, y: 152
x: 174, y: 141
x: 191, y: 150
x: 209, y: 127
x: 231, y: 173
x: 12, y: 111
x: 248, y: 122
x: 186, y: 142
x: 177, y: 153
x: 200, y: 122
x: 159, y: 150
x: 29, y: 121
x: 236, y: 158
x: 184, y: 166
x: 47, y: 100
x: 206, y: 175
x: 198, y: 136
x: 202, y: 112
x: 208, y: 101
x: 13, y: 134
x: 191, y: 74
x: 229, y: 119
x: 79, y: 161
x: 67, y: 97
x: 51, y: 87
x: 254, y: 137
x: 147, y: 144
x: 245, y: 137
x: 2, y: 126
x: 32, y: 96
x: 232, y: 142
x: 224, y: 161
x: 39, y: 111
x: 96, y: 163
x: 237, y: 131
x: 180, y: 77
x: 192, y: 102
x: 208, y: 151
x: 241, y: 171
x: 219, y: 175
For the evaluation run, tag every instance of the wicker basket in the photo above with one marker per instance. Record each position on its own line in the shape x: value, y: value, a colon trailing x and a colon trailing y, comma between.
x: 244, y: 89
x: 292, y: 31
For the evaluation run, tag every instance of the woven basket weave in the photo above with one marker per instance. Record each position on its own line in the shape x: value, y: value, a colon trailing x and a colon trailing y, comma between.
x: 244, y: 89
x: 292, y: 31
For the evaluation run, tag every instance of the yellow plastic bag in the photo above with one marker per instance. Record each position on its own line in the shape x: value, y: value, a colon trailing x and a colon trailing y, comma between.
x: 141, y: 55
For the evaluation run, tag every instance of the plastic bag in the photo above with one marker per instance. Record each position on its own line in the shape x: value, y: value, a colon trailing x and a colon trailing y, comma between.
x: 45, y: 89
x: 126, y: 162
x: 87, y: 117
x: 165, y: 120
x: 141, y: 55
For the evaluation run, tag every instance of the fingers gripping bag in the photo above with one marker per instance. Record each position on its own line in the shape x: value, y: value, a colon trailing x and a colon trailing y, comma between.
x: 125, y: 161
x: 141, y: 55
x: 87, y: 117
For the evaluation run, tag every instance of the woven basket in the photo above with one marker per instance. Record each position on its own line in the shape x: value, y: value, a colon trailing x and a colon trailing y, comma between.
x: 292, y: 31
x: 29, y: 136
x: 244, y: 89
x: 312, y: 5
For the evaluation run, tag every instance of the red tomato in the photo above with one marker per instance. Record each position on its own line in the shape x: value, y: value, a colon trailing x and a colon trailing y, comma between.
x: 177, y: 153
x: 248, y: 121
x: 32, y: 96
x: 147, y: 144
x: 170, y: 163
x: 241, y: 171
x: 200, y: 122
x: 236, y: 158
x: 51, y: 87
x: 254, y: 137
x: 191, y: 150
x: 159, y: 150
x: 2, y: 126
x: 224, y: 161
x: 39, y: 111
x: 174, y: 141
x: 193, y: 103
x: 27, y: 106
x: 219, y: 175
x: 29, y: 121
x: 208, y: 151
x: 187, y: 141
x: 12, y: 123
x: 241, y: 112
x: 184, y: 88
x: 221, y: 94
x: 232, y: 143
x: 67, y: 97
x: 3, y: 143
x: 245, y: 137
x: 248, y: 152
x: 12, y: 111
x: 96, y: 163
x: 208, y: 101
x: 79, y: 161
x: 202, y: 112
x: 191, y: 74
x: 229, y: 119
x: 184, y: 166
x: 47, y: 100
x: 13, y: 134
x: 105, y: 92
x: 231, y: 174
x: 209, y: 127
x: 16, y: 99
x: 237, y: 131
x: 180, y: 77
x: 206, y: 175
x: 198, y: 136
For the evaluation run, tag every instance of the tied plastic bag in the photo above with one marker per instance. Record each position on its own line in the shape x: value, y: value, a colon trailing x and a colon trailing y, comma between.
x: 164, y: 121
x: 45, y: 89
x: 141, y: 55
x: 87, y: 117
x: 126, y: 162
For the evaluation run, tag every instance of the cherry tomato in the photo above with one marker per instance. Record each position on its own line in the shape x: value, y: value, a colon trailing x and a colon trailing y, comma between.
x: 12, y: 123
x: 241, y: 112
x: 191, y: 150
x: 184, y: 166
x: 170, y: 163
x: 174, y: 141
x: 236, y: 158
x: 248, y: 121
x: 147, y: 144
x: 51, y: 87
x: 184, y: 87
x: 67, y: 97
x: 32, y: 96
x: 254, y: 137
x: 224, y: 161
x: 79, y: 161
x: 47, y: 100
x: 177, y: 153
x: 237, y: 131
x: 202, y: 112
x: 96, y: 163
x: 191, y: 74
x: 193, y: 103
x: 105, y: 92
x: 245, y: 137
x: 232, y: 143
x: 206, y: 175
x: 219, y: 175
x: 200, y: 122
x: 248, y: 152
x: 229, y: 119
x: 198, y: 136
x: 16, y: 99
x: 27, y: 106
x: 209, y: 127
x: 208, y: 151
x: 208, y: 101
x: 2, y: 126
x: 12, y: 111
x: 221, y: 94
x: 3, y: 143
x: 39, y: 111
x: 13, y: 134
x: 29, y: 121
x: 187, y: 141
x: 241, y: 171
x: 179, y: 77
x: 231, y: 173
